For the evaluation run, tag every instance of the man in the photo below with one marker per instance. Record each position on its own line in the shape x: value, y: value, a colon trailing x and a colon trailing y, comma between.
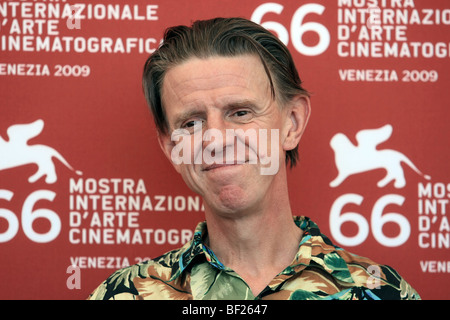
x: 208, y: 86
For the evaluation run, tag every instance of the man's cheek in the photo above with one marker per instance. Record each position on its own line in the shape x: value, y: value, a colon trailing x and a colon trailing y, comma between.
x: 269, y: 154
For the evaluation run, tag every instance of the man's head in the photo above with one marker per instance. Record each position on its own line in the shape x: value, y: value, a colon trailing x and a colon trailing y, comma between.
x: 222, y: 76
x: 222, y: 37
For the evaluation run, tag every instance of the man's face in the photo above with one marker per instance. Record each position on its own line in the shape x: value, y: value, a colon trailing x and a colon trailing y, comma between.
x: 206, y: 99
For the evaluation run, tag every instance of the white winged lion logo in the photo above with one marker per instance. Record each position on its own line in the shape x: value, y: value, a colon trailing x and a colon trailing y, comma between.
x: 351, y: 159
x: 16, y: 152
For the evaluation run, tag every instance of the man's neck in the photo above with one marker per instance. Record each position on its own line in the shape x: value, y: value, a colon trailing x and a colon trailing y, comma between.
x: 256, y: 246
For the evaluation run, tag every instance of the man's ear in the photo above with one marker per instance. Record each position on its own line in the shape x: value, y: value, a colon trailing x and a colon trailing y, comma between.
x: 298, y: 111
x: 166, y: 144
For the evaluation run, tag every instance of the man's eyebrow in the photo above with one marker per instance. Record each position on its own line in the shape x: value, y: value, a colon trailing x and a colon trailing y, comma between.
x: 245, y: 103
x: 240, y: 104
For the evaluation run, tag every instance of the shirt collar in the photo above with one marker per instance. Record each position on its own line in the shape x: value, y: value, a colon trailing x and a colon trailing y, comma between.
x: 191, y: 250
x: 315, y: 250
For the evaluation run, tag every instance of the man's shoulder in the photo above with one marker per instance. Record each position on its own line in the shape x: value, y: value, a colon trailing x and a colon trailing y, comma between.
x: 358, y: 277
x: 380, y: 279
x: 148, y: 276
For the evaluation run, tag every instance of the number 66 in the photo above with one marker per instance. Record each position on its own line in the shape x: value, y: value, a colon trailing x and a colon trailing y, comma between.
x: 298, y: 28
x: 29, y: 215
x: 378, y: 219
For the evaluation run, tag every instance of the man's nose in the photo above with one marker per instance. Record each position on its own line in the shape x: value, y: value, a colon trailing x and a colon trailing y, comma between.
x: 215, y: 130
x: 215, y: 121
x: 215, y: 140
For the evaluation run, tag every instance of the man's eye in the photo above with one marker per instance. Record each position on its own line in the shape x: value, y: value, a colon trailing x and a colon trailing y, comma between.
x: 192, y: 124
x: 241, y: 113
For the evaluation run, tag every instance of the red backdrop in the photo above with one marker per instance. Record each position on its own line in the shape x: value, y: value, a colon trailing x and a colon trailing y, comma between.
x: 71, y: 85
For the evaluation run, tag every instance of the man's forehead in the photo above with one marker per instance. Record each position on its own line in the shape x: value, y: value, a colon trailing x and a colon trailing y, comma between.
x: 182, y: 84
x: 244, y: 71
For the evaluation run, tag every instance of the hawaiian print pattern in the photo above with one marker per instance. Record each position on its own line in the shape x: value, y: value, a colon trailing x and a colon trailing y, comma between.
x: 319, y: 271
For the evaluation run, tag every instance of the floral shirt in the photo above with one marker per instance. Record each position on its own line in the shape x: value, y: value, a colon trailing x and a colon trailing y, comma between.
x: 320, y: 270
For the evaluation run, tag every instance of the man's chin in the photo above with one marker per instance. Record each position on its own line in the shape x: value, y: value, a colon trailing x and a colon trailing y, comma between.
x: 229, y: 200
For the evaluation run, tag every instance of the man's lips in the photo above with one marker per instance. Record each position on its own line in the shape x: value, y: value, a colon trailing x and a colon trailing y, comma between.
x: 221, y: 165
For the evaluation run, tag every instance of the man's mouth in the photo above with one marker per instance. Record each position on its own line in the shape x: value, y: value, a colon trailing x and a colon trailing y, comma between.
x: 221, y: 165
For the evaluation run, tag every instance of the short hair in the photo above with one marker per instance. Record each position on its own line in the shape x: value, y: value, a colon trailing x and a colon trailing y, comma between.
x: 225, y: 37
